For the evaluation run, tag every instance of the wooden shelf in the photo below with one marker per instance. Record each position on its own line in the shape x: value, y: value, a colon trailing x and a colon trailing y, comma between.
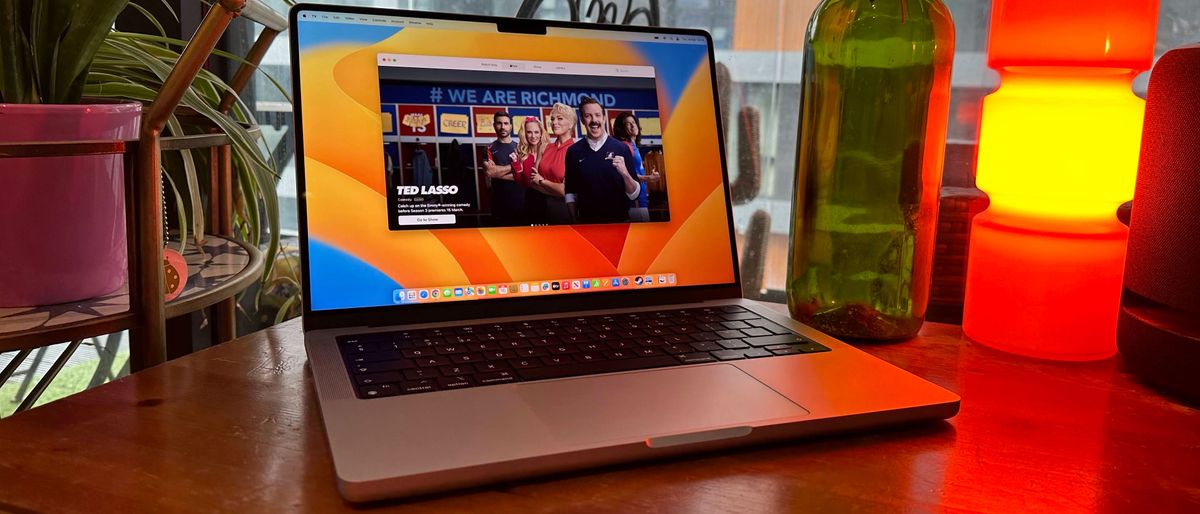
x: 224, y: 268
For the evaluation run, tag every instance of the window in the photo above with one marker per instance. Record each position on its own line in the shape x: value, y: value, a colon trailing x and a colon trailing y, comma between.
x: 761, y: 42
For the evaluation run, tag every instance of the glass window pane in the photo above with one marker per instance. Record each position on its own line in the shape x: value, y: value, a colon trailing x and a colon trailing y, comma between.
x: 761, y: 43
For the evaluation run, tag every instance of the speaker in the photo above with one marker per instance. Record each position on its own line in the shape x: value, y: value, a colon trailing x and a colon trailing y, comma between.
x: 1158, y: 327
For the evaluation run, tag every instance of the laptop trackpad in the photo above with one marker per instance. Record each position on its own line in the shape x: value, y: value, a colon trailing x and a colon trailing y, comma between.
x: 655, y: 403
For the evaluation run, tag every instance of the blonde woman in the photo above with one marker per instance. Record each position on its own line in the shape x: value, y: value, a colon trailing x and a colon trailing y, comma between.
x: 551, y: 170
x: 530, y: 147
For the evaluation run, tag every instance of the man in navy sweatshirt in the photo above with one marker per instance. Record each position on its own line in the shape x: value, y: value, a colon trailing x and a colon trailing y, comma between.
x: 598, y: 185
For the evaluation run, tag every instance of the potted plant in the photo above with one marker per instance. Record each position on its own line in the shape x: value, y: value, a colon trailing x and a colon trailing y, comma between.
x: 62, y: 219
x: 50, y: 220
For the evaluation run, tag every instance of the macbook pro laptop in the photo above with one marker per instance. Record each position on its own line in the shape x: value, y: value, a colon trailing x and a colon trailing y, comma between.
x: 519, y: 257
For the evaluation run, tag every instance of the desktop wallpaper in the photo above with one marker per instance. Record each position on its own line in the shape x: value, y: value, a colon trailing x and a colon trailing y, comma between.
x: 355, y: 261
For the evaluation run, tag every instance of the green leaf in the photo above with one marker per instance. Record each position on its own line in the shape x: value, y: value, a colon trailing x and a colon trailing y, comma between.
x: 64, y: 36
x: 193, y: 189
x: 15, y: 73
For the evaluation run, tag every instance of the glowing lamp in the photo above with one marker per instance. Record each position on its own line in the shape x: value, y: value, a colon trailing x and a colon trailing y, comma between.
x: 1058, y: 153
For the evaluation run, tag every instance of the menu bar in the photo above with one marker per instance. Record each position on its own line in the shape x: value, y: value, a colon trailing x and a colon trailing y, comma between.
x: 400, y: 21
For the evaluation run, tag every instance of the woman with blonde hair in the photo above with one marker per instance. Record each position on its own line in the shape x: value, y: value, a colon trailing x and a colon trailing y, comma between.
x: 530, y: 146
x: 548, y: 176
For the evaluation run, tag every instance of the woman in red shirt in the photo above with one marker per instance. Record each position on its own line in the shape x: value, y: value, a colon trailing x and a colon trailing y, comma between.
x: 551, y: 170
x: 530, y: 146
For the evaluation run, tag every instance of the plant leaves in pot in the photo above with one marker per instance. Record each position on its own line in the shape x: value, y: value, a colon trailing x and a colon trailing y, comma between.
x: 62, y: 219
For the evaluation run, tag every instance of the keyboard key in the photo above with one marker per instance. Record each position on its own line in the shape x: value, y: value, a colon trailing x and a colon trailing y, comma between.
x: 772, y: 340
x: 732, y: 308
x: 728, y: 355
x: 385, y: 377
x: 359, y: 348
x: 378, y: 390
x: 500, y: 354
x: 619, y: 354
x: 376, y: 367
x: 593, y: 347
x: 415, y: 353
x: 499, y: 377
x: 595, y: 368
x: 732, y: 344
x: 736, y: 316
x: 450, y: 349
x: 531, y: 352
x: 706, y: 346
x: 421, y: 373
x: 561, y: 349
x: 418, y: 386
x: 647, y: 351
x: 466, y: 358
x: 695, y: 358
x: 379, y: 356
x: 589, y: 357
x: 557, y: 360
x: 678, y: 348
x: 525, y: 363
x: 811, y: 347
x: 705, y: 336
x: 455, y: 371
x: 755, y: 332
x: 734, y: 325
x: 756, y: 352
x: 457, y: 382
x: 770, y: 327
x: 622, y: 345
x: 429, y: 362
x: 490, y: 366
x: 482, y: 347
x: 513, y: 344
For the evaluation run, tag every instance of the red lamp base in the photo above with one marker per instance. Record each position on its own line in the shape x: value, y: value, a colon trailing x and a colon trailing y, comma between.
x: 1050, y: 295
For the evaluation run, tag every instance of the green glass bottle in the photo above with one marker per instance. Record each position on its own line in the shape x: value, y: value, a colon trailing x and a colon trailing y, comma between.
x: 873, y: 115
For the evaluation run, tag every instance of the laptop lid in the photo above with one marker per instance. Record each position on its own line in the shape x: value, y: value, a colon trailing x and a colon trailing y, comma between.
x: 457, y: 167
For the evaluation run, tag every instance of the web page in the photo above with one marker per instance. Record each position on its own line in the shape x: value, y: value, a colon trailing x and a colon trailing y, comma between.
x: 466, y: 140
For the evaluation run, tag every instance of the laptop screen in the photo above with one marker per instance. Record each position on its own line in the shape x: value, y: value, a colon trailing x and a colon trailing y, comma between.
x: 448, y: 161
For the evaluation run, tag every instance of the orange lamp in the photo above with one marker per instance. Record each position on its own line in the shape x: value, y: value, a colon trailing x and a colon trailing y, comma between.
x: 1058, y: 152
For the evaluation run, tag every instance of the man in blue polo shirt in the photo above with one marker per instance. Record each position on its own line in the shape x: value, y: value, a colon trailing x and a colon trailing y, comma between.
x: 508, y: 197
x: 598, y: 184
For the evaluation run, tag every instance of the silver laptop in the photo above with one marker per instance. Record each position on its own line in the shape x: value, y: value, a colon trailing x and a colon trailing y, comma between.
x: 519, y: 258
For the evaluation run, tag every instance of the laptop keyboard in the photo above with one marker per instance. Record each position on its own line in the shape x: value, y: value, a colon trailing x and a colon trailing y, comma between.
x: 419, y: 361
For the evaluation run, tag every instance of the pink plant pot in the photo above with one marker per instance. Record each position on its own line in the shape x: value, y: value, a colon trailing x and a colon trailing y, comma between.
x: 62, y: 219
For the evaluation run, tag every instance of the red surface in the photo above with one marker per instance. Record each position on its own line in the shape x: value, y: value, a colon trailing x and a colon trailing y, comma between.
x: 1106, y: 33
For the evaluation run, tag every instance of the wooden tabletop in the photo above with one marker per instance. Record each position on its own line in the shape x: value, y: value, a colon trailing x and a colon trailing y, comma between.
x: 236, y: 428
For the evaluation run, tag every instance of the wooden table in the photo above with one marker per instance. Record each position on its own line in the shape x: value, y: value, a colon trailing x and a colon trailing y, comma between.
x: 236, y: 428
